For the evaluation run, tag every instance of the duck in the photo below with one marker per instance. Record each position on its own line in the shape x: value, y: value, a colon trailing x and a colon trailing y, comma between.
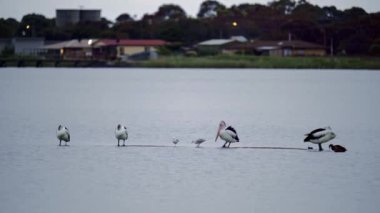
x: 63, y: 134
x: 320, y: 136
x: 121, y: 134
x: 337, y: 148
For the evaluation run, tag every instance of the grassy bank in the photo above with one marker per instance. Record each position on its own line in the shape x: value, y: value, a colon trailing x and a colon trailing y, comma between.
x: 239, y: 61
x: 219, y: 61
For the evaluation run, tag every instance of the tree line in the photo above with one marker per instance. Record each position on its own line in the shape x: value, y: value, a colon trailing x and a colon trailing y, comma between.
x: 352, y: 31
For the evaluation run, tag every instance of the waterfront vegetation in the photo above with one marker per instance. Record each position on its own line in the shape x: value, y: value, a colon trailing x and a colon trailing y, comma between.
x: 244, y: 61
x: 216, y: 61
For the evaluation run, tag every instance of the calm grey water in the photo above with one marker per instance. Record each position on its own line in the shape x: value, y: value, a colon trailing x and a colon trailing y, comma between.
x: 267, y: 107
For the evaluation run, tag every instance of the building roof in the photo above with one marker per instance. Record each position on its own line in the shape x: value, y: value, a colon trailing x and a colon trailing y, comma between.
x: 216, y: 42
x: 75, y: 43
x: 298, y: 44
x: 270, y: 45
x: 129, y: 42
x: 239, y: 38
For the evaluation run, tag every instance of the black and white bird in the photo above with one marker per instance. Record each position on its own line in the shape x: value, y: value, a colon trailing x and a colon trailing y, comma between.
x: 229, y: 134
x: 320, y: 136
x: 63, y: 134
x: 175, y: 141
x: 121, y: 134
x: 199, y: 141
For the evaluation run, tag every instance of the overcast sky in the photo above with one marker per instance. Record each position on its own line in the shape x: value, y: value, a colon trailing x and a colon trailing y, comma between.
x: 113, y: 8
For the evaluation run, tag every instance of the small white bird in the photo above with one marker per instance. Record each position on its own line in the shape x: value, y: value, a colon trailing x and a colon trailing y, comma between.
x: 121, y: 134
x: 175, y: 141
x: 198, y: 142
x: 63, y: 134
x: 229, y: 134
x: 319, y: 136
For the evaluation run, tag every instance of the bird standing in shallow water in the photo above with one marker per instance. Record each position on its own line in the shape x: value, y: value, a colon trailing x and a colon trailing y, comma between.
x: 63, y: 134
x: 175, y: 141
x: 121, y: 134
x: 319, y: 136
x: 198, y: 141
x: 229, y: 134
x: 337, y: 148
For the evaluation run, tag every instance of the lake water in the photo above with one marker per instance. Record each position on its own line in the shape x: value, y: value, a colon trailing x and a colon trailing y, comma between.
x: 268, y: 108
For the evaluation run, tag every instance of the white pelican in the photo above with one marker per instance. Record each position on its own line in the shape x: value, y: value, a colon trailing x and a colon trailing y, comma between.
x: 198, y: 141
x: 229, y: 134
x: 175, y: 141
x: 121, y: 134
x: 63, y: 134
x: 319, y: 136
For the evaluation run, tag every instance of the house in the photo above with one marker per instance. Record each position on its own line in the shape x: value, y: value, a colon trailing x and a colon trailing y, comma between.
x: 76, y: 49
x: 102, y: 49
x: 279, y: 48
x: 127, y: 48
x: 215, y: 46
x: 5, y: 44
x: 298, y: 48
x: 27, y: 45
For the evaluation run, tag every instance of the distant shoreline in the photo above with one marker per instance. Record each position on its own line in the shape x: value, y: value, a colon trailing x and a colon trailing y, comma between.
x: 218, y: 61
x: 241, y: 61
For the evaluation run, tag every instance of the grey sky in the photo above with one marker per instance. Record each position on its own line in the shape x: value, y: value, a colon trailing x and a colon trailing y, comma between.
x: 112, y: 8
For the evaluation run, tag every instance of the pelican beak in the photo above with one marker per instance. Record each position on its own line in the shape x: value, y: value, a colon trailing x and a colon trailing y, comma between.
x: 217, y: 134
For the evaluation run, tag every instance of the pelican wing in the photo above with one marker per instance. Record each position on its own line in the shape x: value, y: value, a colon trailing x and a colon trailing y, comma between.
x: 316, y: 131
x: 231, y: 131
x: 313, y: 137
x: 315, y: 134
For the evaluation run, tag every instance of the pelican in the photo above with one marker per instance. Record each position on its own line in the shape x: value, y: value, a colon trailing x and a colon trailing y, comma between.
x: 229, y: 134
x: 175, y: 141
x: 198, y: 141
x: 121, y: 134
x: 320, y: 136
x: 63, y: 134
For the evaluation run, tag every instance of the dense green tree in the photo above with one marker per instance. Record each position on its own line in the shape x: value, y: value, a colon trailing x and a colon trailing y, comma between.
x: 375, y: 47
x: 210, y: 9
x: 34, y: 25
x: 352, y: 31
x: 314, y: 13
x: 285, y: 7
x: 356, y: 44
x: 125, y: 17
x: 8, y: 27
x: 169, y: 12
x: 331, y: 13
x: 354, y: 12
x: 90, y: 29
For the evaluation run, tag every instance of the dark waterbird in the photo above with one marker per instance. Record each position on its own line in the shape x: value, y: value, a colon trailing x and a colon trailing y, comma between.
x: 337, y: 148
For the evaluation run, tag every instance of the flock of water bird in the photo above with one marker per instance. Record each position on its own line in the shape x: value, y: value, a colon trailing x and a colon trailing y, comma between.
x: 227, y: 134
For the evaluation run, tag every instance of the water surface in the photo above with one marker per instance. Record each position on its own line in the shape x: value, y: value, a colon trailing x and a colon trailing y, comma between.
x: 267, y: 107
